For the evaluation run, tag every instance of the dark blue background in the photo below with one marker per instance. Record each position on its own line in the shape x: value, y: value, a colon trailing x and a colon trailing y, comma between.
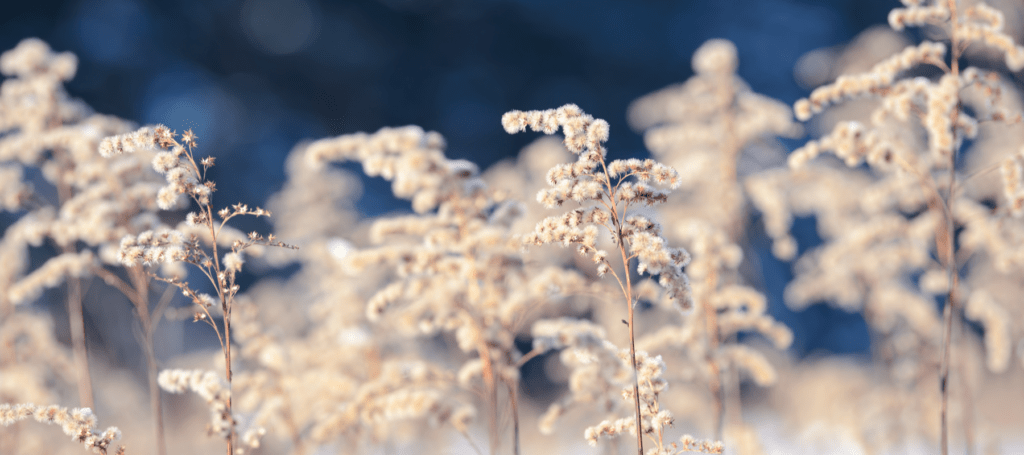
x: 255, y: 77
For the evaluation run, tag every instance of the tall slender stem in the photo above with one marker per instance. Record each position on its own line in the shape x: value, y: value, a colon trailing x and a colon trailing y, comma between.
x: 140, y: 298
x: 513, y: 389
x: 76, y: 316
x: 227, y: 372
x: 950, y: 248
x: 715, y: 379
x: 632, y: 348
x: 492, y: 392
x: 76, y: 321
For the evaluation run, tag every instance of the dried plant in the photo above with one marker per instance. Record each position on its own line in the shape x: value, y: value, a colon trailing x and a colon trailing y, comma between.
x: 189, y: 241
x: 79, y: 423
x: 97, y: 201
x: 461, y: 230
x: 383, y: 330
x: 717, y: 131
x: 613, y: 187
x: 908, y: 226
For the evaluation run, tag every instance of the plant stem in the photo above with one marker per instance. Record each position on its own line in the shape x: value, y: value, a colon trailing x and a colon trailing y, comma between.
x: 513, y: 387
x: 632, y: 347
x: 76, y: 320
x: 950, y: 248
x: 492, y: 392
x: 76, y: 316
x: 140, y: 298
x: 715, y: 379
x: 227, y: 371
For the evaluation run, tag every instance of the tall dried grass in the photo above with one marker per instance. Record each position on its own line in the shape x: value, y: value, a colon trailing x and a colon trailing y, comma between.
x: 423, y: 331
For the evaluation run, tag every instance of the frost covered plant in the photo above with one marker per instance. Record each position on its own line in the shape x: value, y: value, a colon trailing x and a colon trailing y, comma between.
x: 911, y: 225
x: 602, y: 374
x: 716, y: 131
x: 42, y: 128
x: 452, y: 268
x: 211, y: 388
x: 82, y: 206
x: 79, y: 423
x: 198, y: 241
x: 607, y: 191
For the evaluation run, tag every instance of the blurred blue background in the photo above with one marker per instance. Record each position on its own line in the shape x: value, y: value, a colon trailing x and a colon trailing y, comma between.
x: 254, y: 77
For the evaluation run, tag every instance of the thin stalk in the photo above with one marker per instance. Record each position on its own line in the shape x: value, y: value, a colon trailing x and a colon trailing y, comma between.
x: 227, y: 371
x: 76, y: 316
x: 715, y: 380
x: 148, y: 321
x: 717, y: 391
x: 628, y: 293
x: 76, y: 320
x: 632, y: 349
x: 154, y: 395
x: 949, y: 253
x: 513, y: 387
x: 492, y: 392
x: 226, y: 298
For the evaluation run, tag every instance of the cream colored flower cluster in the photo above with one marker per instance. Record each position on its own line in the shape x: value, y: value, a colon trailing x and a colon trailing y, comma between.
x: 181, y: 177
x: 591, y: 179
x: 650, y: 372
x: 52, y: 274
x: 404, y: 390
x: 33, y: 55
x: 79, y: 423
x: 217, y: 393
x: 461, y: 231
x: 407, y: 156
x: 597, y: 373
x: 881, y: 76
x: 1012, y: 169
x: 713, y: 129
x: 984, y: 25
x: 38, y: 75
x: 583, y: 133
x: 152, y: 248
x: 209, y: 387
x: 141, y: 139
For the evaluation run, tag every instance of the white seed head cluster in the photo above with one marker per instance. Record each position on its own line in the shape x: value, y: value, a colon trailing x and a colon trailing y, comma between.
x: 853, y: 143
x: 412, y: 159
x: 609, y: 429
x: 650, y: 377
x: 982, y: 308
x: 78, y: 423
x: 583, y: 133
x: 180, y: 176
x: 591, y: 179
x: 716, y: 57
x: 1012, y: 170
x: 152, y: 247
x: 691, y: 444
x: 402, y: 391
x: 142, y: 139
x: 918, y: 15
x: 52, y: 274
x: 33, y: 56
x: 879, y: 77
x: 984, y: 25
x: 551, y: 334
x: 233, y: 261
x: 210, y: 387
x: 938, y: 122
x: 753, y: 363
